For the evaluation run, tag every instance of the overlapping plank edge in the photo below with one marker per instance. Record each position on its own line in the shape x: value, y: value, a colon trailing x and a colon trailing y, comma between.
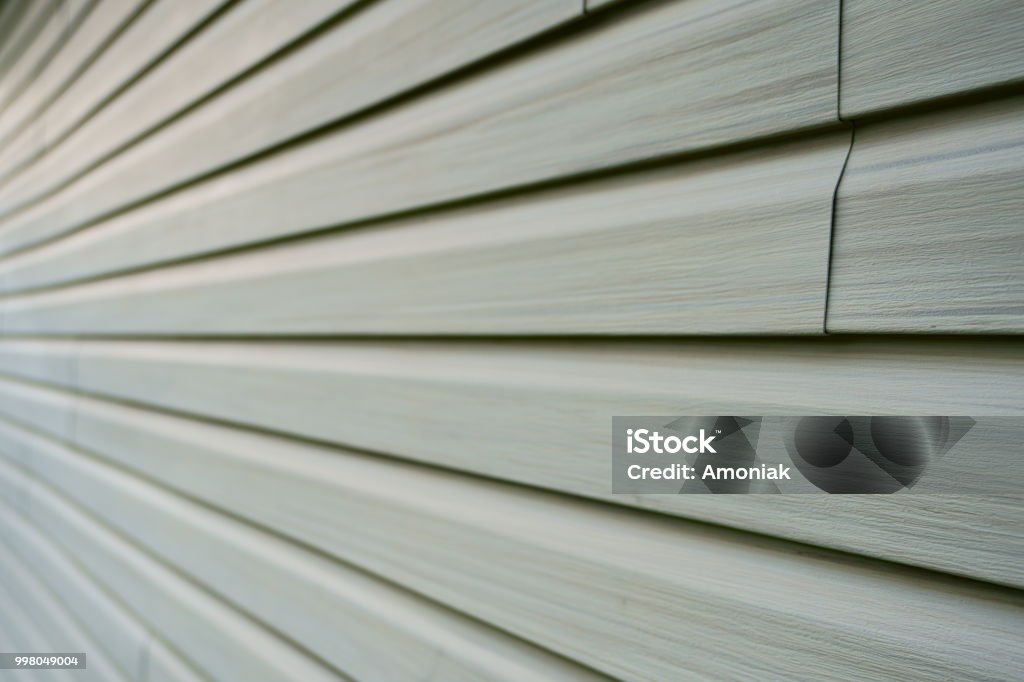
x: 773, y: 63
x: 642, y: 254
x: 50, y: 614
x: 905, y: 53
x: 320, y: 80
x: 139, y: 655
x: 525, y: 412
x: 248, y: 33
x: 929, y: 231
x: 218, y: 640
x: 366, y: 628
x: 150, y: 37
x: 22, y: 634
x: 530, y: 549
x: 61, y: 21
x: 38, y: 31
x: 85, y: 43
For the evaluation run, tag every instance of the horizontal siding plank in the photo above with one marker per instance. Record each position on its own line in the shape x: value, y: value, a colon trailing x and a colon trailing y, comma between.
x: 30, y: 21
x: 928, y: 233
x: 138, y: 653
x: 895, y: 54
x: 555, y: 112
x: 25, y: 70
x: 222, y: 642
x: 51, y: 616
x: 515, y: 558
x: 538, y: 414
x: 24, y: 635
x: 366, y: 628
x: 119, y: 635
x: 732, y: 245
x: 246, y: 34
x: 50, y: 362
x: 408, y: 43
x: 139, y: 47
x: 84, y: 44
x: 40, y: 408
x: 10, y: 15
x: 165, y: 665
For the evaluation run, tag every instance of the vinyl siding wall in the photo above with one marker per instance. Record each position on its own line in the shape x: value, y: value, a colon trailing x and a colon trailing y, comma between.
x: 315, y: 315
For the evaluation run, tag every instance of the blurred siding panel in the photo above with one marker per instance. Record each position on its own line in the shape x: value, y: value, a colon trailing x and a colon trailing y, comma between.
x: 316, y: 315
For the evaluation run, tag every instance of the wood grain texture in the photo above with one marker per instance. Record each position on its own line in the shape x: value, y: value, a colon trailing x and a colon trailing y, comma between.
x: 928, y: 234
x: 407, y: 44
x: 895, y: 54
x: 223, y: 643
x: 590, y: 580
x: 733, y: 245
x: 138, y: 48
x: 83, y: 45
x: 254, y: 30
x: 366, y: 628
x: 539, y: 413
x: 571, y: 108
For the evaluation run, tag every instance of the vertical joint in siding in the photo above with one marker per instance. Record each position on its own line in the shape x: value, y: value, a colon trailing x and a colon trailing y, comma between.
x: 842, y: 170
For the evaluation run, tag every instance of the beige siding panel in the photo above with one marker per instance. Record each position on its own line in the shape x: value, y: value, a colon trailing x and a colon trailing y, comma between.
x: 246, y: 34
x: 38, y: 407
x: 165, y: 665
x: 224, y: 643
x: 10, y: 15
x: 538, y: 414
x: 137, y: 652
x: 929, y: 233
x: 51, y: 616
x: 899, y: 53
x: 322, y: 80
x: 120, y: 636
x: 65, y: 14
x: 570, y: 108
x: 974, y: 534
x: 368, y: 629
x: 733, y: 245
x: 591, y: 581
x: 82, y: 46
x: 150, y: 35
x: 25, y: 635
x: 31, y: 20
x: 49, y: 361
x: 595, y: 4
x: 18, y: 82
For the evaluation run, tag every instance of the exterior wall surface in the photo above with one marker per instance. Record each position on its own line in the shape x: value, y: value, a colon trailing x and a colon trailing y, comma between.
x: 315, y: 314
